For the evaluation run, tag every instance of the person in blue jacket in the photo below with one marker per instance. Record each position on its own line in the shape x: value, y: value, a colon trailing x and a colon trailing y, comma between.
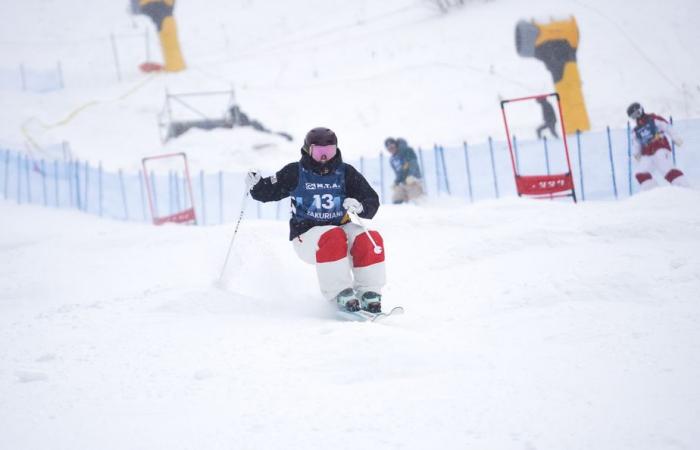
x: 323, y: 190
x: 408, y: 184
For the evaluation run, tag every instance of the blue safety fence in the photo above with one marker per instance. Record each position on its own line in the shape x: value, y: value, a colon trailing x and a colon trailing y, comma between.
x: 601, y: 161
x: 31, y: 79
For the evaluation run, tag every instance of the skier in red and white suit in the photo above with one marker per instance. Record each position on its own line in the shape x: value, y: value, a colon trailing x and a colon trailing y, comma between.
x: 322, y: 189
x: 651, y: 148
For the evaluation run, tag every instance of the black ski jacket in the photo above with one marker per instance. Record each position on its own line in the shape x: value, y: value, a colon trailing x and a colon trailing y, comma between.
x: 270, y: 189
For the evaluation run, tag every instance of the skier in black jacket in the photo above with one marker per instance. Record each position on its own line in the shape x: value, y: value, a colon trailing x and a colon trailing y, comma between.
x: 550, y: 118
x: 323, y: 190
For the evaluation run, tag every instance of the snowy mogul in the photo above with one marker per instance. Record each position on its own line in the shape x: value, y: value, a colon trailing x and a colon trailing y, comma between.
x: 324, y: 191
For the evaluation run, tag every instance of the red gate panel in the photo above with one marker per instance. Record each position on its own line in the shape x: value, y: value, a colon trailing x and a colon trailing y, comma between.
x: 544, y: 184
x: 187, y: 215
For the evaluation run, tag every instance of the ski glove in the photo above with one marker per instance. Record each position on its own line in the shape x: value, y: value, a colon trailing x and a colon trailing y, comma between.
x: 411, y: 180
x: 251, y: 179
x: 678, y: 142
x: 353, y: 205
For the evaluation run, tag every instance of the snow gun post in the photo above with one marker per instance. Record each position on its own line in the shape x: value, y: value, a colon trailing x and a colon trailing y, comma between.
x: 180, y: 196
x: 538, y: 185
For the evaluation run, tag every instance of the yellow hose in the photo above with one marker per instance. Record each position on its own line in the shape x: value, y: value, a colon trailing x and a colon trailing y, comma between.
x: 73, y: 114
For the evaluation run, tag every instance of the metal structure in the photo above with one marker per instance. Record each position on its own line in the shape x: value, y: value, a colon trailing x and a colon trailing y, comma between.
x: 541, y: 186
x: 171, y: 125
x: 185, y: 215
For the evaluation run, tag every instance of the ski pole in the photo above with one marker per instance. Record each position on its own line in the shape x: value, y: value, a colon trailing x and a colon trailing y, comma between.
x: 354, y: 218
x: 235, y: 231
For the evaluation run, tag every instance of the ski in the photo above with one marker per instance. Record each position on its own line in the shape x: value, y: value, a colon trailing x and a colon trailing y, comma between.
x: 366, y: 316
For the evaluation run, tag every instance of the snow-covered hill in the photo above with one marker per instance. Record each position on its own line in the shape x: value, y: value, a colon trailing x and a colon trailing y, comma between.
x: 367, y: 69
x: 529, y: 325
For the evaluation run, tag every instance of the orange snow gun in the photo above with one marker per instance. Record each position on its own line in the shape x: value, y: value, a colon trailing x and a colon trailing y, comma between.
x: 555, y: 44
x: 161, y: 12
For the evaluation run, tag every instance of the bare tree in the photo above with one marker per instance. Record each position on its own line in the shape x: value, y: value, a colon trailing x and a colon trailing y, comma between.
x: 444, y: 6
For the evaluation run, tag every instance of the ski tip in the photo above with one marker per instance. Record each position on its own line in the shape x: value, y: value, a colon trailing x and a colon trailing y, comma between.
x: 395, y: 311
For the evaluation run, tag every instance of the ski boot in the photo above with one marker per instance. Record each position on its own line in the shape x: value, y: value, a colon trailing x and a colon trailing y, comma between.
x: 371, y: 302
x: 347, y: 300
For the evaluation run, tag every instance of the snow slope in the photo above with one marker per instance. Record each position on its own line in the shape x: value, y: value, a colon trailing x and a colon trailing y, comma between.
x: 529, y: 325
x: 366, y: 69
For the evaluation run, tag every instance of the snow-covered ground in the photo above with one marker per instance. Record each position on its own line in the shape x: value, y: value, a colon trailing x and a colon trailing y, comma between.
x: 529, y: 325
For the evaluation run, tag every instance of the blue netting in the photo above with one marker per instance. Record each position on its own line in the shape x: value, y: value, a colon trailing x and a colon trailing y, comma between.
x: 601, y: 167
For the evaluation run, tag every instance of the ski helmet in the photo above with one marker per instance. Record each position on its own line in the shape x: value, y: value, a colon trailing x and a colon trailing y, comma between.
x: 635, y: 111
x: 320, y: 136
x: 388, y: 141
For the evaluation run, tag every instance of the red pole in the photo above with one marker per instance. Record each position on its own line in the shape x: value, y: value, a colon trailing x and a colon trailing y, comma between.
x: 510, y: 145
x: 566, y: 148
x: 189, y: 185
x: 148, y: 188
x: 563, y: 133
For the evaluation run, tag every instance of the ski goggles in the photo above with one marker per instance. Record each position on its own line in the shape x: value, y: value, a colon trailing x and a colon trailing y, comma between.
x: 635, y: 113
x: 322, y: 153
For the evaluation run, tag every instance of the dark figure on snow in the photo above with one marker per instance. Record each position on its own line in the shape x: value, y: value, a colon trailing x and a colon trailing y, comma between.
x: 407, y: 184
x: 651, y: 148
x: 550, y: 118
x: 324, y: 191
x: 241, y: 119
